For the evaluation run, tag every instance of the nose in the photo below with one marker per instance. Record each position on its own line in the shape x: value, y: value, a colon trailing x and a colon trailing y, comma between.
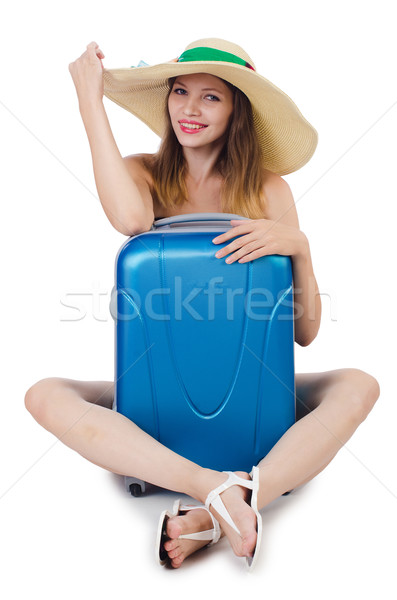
x: 192, y: 106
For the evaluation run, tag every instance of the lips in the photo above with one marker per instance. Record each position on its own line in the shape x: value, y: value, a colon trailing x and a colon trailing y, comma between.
x: 191, y: 126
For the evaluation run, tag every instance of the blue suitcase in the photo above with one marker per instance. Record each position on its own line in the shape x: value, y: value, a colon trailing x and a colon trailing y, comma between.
x: 204, y: 357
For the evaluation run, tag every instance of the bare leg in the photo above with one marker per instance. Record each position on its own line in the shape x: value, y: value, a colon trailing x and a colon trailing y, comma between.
x: 330, y: 407
x: 78, y: 413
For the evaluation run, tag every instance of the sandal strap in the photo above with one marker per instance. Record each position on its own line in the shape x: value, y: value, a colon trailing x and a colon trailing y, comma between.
x: 216, y: 501
x: 213, y: 535
x: 208, y: 534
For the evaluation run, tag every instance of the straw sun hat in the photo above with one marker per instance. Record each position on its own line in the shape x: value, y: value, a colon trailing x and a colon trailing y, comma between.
x: 288, y: 141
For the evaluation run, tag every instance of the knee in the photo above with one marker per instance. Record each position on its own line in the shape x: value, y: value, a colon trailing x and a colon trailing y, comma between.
x: 38, y: 397
x: 364, y: 391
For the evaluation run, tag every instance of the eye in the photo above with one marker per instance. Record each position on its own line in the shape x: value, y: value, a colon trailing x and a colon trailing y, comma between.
x: 212, y: 97
x: 179, y: 91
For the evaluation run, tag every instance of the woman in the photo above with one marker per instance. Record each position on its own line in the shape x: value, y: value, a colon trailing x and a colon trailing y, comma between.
x: 220, y: 153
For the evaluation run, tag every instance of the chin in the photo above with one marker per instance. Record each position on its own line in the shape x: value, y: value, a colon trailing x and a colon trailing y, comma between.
x: 194, y: 142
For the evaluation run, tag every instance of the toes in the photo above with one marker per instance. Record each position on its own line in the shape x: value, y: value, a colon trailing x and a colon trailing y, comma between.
x: 176, y: 562
x: 175, y: 553
x: 249, y: 543
x: 236, y: 502
x: 248, y: 540
x: 174, y: 528
x: 170, y: 545
x: 248, y: 546
x: 178, y: 549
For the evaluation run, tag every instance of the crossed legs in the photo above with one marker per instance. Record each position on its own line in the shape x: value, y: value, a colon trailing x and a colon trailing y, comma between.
x: 330, y: 407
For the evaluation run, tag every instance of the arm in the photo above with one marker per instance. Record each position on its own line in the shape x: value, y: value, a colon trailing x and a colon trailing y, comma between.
x: 307, y: 299
x: 280, y: 234
x: 123, y: 190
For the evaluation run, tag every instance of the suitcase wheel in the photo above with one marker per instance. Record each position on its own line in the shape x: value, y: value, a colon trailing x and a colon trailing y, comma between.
x: 135, y: 490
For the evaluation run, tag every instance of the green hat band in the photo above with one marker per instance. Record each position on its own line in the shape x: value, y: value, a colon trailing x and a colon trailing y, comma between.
x: 212, y: 54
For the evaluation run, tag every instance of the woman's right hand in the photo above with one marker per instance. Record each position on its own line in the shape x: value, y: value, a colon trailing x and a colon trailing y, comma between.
x: 86, y: 73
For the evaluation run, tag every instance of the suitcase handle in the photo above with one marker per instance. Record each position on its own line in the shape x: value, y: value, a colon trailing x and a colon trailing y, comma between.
x: 194, y: 217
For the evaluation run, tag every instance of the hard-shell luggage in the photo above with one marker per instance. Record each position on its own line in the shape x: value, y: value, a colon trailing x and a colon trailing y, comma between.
x: 204, y: 349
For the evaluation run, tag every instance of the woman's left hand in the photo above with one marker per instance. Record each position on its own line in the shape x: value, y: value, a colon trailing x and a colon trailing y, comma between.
x: 260, y: 237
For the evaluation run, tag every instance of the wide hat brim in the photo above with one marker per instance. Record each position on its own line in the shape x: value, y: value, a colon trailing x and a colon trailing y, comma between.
x: 287, y: 139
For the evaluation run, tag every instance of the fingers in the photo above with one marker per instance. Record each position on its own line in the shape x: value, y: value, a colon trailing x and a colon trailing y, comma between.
x: 93, y: 47
x: 92, y: 51
x: 244, y: 228
x: 241, y: 242
x: 87, y: 73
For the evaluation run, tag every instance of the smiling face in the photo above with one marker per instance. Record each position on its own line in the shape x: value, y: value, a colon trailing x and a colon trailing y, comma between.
x: 200, y: 107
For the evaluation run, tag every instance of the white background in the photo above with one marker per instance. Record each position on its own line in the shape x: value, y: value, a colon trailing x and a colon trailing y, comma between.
x: 68, y: 528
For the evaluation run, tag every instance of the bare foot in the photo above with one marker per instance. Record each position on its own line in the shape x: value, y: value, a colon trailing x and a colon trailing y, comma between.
x: 236, y: 500
x: 191, y: 521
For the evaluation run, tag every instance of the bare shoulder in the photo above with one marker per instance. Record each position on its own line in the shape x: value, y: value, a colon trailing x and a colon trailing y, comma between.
x: 141, y: 176
x: 280, y: 202
x: 137, y: 165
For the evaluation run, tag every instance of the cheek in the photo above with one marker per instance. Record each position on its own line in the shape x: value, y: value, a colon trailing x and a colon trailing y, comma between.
x: 172, y: 104
x: 227, y: 119
x: 230, y: 114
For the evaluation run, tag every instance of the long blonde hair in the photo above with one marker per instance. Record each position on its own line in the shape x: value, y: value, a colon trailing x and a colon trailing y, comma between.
x: 239, y: 163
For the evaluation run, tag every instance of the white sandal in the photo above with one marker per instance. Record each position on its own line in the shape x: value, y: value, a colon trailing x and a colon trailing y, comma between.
x: 216, y: 501
x: 212, y: 535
